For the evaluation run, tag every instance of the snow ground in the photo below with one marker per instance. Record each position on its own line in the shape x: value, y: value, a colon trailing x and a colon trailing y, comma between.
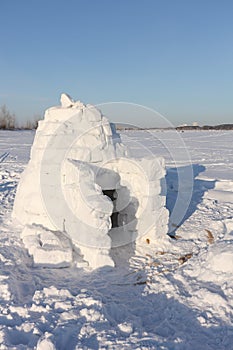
x: 181, y: 298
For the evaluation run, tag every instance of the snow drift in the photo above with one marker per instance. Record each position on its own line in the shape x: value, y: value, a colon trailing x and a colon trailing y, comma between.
x: 82, y: 195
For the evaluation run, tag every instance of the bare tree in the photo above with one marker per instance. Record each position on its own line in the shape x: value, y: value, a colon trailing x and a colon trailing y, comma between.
x: 7, y: 120
x: 31, y: 124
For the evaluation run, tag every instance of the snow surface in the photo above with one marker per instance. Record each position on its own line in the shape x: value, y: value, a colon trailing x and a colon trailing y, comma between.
x: 179, y: 298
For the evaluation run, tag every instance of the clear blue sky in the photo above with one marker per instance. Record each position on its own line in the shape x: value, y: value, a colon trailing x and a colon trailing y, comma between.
x: 175, y: 56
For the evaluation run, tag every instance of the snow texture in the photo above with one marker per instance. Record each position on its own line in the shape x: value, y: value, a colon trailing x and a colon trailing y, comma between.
x: 76, y: 158
x: 178, y: 298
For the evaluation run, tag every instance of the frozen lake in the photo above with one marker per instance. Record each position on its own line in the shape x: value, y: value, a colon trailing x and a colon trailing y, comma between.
x: 179, y: 299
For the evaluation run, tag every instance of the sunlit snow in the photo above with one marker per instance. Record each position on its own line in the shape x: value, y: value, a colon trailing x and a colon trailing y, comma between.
x: 179, y: 298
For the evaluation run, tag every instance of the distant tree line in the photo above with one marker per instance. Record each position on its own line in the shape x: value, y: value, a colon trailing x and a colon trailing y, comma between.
x: 122, y: 127
x: 8, y: 121
x: 206, y: 127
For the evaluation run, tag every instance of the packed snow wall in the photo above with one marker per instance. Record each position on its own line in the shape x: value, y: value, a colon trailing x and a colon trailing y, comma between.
x: 82, y: 194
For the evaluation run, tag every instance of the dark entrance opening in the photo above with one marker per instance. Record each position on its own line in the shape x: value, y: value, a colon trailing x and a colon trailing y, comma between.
x: 112, y: 194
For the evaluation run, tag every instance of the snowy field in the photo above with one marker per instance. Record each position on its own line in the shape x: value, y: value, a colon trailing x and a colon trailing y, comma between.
x: 181, y: 298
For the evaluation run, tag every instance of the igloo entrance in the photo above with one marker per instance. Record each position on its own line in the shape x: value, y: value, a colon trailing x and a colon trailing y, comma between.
x: 115, y: 185
x: 82, y: 189
x: 112, y: 194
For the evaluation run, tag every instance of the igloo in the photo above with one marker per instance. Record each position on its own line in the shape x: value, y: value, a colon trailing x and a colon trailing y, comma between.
x: 82, y: 196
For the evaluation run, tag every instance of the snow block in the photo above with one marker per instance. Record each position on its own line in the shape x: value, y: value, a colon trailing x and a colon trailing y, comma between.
x: 82, y: 192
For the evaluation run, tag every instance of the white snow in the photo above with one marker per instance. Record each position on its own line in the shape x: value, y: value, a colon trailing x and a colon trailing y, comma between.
x: 179, y: 297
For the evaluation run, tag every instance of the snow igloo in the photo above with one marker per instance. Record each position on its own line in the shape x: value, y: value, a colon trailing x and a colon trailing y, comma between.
x: 82, y: 197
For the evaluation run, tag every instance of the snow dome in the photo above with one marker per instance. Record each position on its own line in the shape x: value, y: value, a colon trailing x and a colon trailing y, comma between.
x: 82, y: 196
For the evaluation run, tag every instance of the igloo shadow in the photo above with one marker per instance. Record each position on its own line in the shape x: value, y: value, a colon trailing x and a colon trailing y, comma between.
x: 81, y: 181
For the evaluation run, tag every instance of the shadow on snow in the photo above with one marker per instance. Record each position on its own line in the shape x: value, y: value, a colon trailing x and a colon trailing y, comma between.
x: 156, y: 319
x: 184, y: 193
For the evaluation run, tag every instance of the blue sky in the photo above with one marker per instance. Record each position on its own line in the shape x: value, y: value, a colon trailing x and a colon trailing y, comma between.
x: 174, y: 56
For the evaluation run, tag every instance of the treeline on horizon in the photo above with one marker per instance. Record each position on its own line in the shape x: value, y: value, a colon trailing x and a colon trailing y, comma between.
x: 178, y: 128
x: 206, y: 127
x: 8, y: 121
